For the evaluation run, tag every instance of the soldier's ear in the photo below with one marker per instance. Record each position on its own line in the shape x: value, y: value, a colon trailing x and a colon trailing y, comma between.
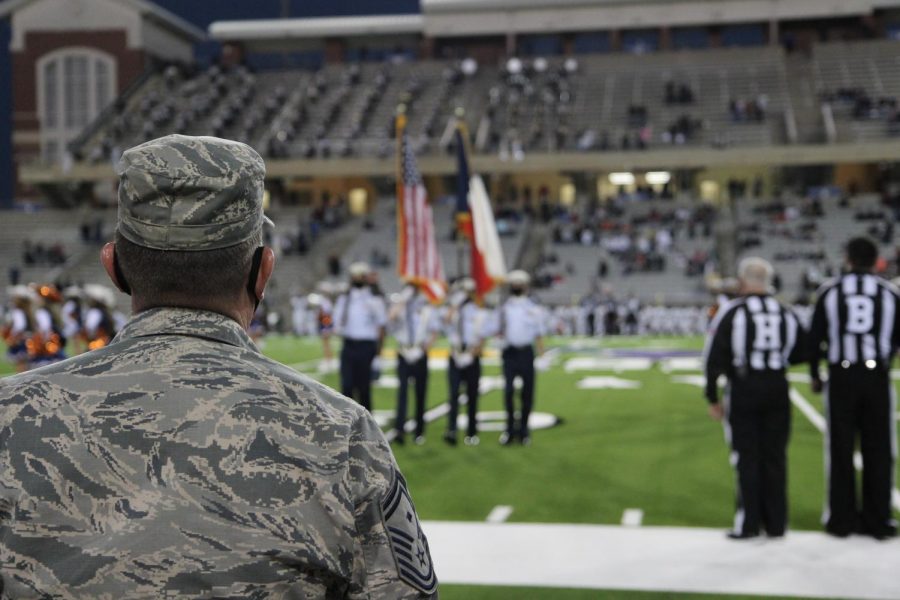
x: 266, y: 266
x: 111, y: 265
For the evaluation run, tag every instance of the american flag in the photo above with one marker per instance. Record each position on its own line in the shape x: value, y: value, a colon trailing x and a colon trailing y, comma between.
x: 418, y: 259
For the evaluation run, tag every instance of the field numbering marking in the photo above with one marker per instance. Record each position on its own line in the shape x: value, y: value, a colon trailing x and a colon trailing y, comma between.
x: 499, y: 514
x: 632, y: 517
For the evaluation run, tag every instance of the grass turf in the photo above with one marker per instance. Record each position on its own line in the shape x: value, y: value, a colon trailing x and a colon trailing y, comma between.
x: 651, y: 448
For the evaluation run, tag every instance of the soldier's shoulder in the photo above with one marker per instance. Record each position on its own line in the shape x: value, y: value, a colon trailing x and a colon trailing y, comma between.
x: 294, y: 382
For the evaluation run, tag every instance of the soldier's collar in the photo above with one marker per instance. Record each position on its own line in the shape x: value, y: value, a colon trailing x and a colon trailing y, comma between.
x: 189, y: 322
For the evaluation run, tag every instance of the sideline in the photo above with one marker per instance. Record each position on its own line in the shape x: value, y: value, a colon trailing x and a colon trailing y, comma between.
x: 679, y: 559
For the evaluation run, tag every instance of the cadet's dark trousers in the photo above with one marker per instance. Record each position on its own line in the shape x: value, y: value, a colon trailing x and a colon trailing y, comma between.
x: 860, y: 402
x: 418, y: 372
x: 518, y: 361
x: 759, y: 419
x: 356, y: 370
x: 470, y: 377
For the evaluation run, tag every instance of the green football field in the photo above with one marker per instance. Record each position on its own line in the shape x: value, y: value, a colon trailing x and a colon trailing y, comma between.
x: 648, y: 446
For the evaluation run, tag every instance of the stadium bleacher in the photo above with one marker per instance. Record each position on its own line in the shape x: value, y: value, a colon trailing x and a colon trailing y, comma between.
x: 544, y: 104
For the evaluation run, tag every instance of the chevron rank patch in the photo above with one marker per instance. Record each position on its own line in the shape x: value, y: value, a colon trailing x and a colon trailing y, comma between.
x: 408, y: 542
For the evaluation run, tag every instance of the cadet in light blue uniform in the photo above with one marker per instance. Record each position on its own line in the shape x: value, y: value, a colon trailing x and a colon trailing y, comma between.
x: 360, y: 317
x: 467, y: 327
x: 521, y: 330
x: 414, y: 323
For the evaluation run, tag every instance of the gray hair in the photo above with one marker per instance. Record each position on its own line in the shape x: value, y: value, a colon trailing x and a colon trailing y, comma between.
x: 159, y: 276
x: 756, y: 271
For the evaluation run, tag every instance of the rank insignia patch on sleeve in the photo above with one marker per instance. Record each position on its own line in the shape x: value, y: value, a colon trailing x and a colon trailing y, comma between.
x: 408, y: 542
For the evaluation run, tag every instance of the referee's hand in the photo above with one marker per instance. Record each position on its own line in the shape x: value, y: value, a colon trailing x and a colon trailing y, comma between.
x: 816, y: 385
x: 716, y: 412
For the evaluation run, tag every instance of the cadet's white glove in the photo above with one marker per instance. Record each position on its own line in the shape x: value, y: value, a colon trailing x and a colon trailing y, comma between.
x: 463, y: 359
x: 412, y: 354
x: 376, y: 368
x: 542, y: 363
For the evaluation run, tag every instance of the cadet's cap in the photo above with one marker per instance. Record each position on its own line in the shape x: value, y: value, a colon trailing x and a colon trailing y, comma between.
x: 181, y: 192
x: 359, y: 269
x: 21, y: 292
x: 100, y: 294
x: 466, y: 284
x: 73, y: 291
x: 518, y: 278
x: 314, y: 300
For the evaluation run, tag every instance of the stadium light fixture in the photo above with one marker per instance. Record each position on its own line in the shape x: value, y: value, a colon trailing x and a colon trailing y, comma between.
x: 624, y: 178
x: 658, y: 177
x: 567, y: 194
x: 359, y: 201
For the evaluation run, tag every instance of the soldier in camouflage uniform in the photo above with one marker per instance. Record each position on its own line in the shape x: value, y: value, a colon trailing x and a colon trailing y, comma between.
x: 179, y: 461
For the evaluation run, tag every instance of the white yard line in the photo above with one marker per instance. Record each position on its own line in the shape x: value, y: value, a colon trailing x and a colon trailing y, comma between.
x: 305, y: 367
x: 671, y: 559
x: 430, y: 415
x: 632, y: 517
x: 499, y: 514
x: 817, y: 420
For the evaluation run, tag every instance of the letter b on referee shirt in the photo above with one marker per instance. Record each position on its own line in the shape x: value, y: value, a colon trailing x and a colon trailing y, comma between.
x: 860, y: 314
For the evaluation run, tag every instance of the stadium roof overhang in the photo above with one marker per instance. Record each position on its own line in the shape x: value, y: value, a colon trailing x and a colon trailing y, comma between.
x: 265, y: 33
x: 486, y: 17
x: 148, y: 10
x: 569, y: 162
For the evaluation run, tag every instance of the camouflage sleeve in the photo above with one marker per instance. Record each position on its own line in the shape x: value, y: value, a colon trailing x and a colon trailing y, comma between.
x: 392, y: 558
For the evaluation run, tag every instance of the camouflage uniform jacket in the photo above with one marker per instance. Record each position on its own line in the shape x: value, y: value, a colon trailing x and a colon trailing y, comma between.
x: 180, y: 462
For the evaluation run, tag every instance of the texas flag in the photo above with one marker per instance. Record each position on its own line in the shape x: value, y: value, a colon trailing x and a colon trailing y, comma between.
x: 475, y: 221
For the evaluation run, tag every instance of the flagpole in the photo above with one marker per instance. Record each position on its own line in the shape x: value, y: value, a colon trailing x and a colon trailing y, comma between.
x: 460, y: 238
x: 399, y: 126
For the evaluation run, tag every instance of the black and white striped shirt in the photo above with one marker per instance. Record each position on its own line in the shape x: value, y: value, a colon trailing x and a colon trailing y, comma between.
x: 751, y: 335
x: 856, y: 320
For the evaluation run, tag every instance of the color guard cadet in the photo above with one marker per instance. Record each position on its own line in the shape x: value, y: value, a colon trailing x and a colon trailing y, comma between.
x: 322, y: 305
x: 48, y: 339
x: 415, y: 324
x: 99, y: 322
x: 360, y: 318
x: 72, y: 315
x: 467, y: 327
x: 20, y: 325
x: 752, y: 341
x: 855, y: 327
x: 521, y: 330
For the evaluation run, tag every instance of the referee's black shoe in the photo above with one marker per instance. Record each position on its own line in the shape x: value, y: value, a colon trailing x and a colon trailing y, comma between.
x: 738, y: 535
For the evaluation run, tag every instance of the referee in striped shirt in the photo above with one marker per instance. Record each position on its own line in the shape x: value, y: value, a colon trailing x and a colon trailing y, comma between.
x: 855, y: 326
x: 752, y: 341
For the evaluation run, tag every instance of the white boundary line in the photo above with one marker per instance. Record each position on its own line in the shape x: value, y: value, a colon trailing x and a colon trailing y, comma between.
x: 499, y: 514
x: 430, y: 416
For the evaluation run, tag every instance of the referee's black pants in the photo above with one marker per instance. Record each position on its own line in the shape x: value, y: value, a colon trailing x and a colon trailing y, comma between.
x: 860, y: 402
x: 759, y: 419
x: 518, y: 361
x: 356, y: 370
x: 418, y: 372
x: 470, y: 377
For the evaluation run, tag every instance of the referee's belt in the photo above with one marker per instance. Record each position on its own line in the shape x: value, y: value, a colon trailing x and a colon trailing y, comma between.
x: 866, y: 365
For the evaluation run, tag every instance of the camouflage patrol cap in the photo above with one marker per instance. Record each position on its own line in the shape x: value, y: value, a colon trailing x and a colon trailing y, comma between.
x: 182, y: 192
